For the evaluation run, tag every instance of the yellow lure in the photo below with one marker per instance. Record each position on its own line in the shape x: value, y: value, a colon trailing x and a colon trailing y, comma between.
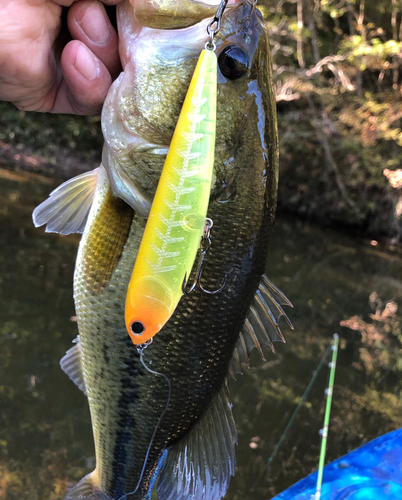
x: 176, y: 221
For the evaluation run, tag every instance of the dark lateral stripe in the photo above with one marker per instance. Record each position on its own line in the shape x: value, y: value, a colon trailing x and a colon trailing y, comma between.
x: 125, y: 424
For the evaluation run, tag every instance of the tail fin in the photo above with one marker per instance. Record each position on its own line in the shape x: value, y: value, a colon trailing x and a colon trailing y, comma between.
x: 85, y: 490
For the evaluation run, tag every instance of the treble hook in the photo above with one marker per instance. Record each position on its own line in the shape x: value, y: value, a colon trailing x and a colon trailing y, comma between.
x: 205, y: 245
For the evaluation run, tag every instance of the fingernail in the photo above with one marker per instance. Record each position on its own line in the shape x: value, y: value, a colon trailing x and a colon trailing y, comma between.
x: 94, y: 24
x: 86, y: 63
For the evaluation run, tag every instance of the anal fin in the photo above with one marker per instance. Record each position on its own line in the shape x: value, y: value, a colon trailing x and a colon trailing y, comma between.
x: 200, y: 465
x: 71, y: 364
x: 261, y: 327
x: 67, y: 208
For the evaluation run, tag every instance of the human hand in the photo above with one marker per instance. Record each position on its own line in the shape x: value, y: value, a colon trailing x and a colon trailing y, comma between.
x: 34, y: 78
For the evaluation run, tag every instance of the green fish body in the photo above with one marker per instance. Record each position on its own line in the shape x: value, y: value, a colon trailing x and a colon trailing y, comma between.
x: 192, y: 447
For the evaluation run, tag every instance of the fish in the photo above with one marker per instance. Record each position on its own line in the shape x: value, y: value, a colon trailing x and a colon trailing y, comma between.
x: 163, y: 415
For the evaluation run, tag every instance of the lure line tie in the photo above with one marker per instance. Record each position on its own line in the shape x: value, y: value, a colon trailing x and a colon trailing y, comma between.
x: 214, y: 26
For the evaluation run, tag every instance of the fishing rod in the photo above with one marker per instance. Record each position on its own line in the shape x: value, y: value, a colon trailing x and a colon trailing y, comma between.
x: 294, y: 415
x: 329, y: 391
x: 333, y: 346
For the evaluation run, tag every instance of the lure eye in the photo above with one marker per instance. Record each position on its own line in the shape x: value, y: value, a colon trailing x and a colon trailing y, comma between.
x: 233, y: 62
x: 137, y: 328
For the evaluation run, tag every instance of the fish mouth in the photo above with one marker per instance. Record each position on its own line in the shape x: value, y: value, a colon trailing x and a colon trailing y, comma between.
x: 165, y: 14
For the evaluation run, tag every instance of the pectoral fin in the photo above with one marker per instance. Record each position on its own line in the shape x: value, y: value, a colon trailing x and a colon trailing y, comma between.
x: 200, y: 465
x: 67, y: 208
x: 261, y: 327
x: 71, y: 364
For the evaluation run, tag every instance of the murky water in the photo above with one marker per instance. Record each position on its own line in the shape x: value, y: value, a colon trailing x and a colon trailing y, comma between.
x: 45, y: 433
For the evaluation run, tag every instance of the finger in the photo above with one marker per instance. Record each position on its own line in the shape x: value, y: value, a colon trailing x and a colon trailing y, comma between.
x: 86, y: 81
x: 89, y: 23
x: 69, y: 3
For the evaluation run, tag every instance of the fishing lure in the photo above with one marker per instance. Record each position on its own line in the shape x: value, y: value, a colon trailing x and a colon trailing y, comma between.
x: 176, y: 221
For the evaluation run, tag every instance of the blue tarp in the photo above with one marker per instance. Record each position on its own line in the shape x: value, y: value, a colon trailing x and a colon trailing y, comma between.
x: 372, y: 472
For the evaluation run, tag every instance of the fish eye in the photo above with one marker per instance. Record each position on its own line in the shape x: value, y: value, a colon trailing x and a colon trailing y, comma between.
x: 233, y: 62
x: 137, y: 328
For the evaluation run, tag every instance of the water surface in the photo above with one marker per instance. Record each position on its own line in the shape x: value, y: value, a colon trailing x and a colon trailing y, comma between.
x: 45, y: 433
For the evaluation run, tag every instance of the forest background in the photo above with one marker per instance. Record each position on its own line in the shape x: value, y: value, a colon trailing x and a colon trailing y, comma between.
x: 337, y: 70
x: 337, y: 74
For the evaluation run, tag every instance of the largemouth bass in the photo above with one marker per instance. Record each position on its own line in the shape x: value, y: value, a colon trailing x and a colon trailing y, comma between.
x: 177, y: 426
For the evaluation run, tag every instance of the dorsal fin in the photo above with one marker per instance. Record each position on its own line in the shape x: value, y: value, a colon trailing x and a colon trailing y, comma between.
x: 261, y: 327
x: 71, y: 365
x: 199, y: 466
x: 67, y: 208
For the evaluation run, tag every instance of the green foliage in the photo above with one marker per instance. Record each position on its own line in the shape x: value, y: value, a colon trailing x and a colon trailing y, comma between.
x: 370, y: 55
x: 337, y: 69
